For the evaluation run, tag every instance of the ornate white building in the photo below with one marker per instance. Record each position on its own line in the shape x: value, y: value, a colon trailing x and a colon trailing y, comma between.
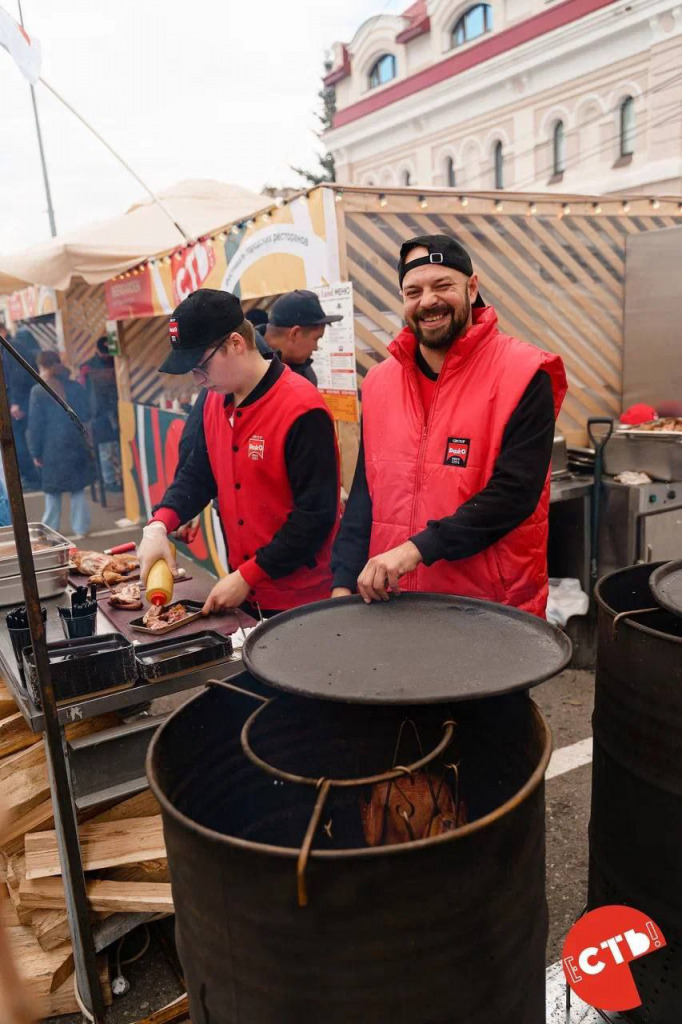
x: 579, y: 96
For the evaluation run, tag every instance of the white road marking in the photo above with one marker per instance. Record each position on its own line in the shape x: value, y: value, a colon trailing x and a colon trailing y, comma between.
x: 567, y: 758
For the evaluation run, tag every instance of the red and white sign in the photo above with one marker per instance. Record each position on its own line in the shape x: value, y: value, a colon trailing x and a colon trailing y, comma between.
x: 191, y: 268
x: 256, y: 448
x: 598, y: 951
x: 128, y: 297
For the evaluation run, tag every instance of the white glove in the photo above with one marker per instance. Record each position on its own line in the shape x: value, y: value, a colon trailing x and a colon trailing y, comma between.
x: 153, y: 546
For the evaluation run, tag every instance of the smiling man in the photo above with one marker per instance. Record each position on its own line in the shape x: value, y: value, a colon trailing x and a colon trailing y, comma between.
x: 451, y: 489
x: 266, y: 448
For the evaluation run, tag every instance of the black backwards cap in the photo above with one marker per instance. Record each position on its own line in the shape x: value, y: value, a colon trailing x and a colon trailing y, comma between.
x: 442, y: 249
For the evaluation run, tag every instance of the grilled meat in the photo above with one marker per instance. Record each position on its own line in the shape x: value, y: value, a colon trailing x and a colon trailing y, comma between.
x: 160, y: 616
x: 104, y: 569
x: 127, y: 595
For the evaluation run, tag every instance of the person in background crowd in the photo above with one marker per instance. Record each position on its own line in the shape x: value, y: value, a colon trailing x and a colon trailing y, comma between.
x: 98, y: 377
x: 19, y: 384
x: 5, y: 513
x: 296, y: 325
x: 451, y: 490
x: 259, y: 319
x: 58, y: 447
x: 266, y: 447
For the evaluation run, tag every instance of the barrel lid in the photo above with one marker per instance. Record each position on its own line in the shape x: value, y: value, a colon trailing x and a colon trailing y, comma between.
x: 412, y: 649
x: 665, y: 584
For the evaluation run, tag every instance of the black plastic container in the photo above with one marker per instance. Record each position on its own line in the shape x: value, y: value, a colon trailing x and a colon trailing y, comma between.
x: 181, y: 654
x: 96, y: 664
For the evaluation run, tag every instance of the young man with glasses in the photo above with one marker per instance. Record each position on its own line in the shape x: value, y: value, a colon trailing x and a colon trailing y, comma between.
x: 266, y: 449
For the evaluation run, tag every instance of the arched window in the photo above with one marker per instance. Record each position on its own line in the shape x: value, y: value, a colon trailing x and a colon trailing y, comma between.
x: 406, y: 178
x: 627, y: 126
x: 559, y: 149
x: 383, y: 70
x: 498, y: 161
x: 473, y: 23
x: 450, y: 176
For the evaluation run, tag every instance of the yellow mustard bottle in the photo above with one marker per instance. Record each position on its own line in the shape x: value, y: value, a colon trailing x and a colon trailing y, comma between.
x: 160, y: 583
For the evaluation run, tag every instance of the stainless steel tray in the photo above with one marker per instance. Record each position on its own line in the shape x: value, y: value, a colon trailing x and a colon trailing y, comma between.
x: 658, y: 454
x: 56, y: 554
x: 193, y: 607
x: 51, y: 583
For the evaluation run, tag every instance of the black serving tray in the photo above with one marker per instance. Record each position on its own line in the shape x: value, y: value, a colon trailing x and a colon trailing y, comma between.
x: 181, y: 654
x: 80, y: 668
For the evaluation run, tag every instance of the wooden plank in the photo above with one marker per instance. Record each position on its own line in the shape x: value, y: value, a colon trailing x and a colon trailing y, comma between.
x: 118, y: 897
x: 15, y: 734
x: 102, y: 845
x: 40, y: 817
x: 7, y: 704
x: 63, y: 1000
x: 16, y: 872
x: 176, y: 1012
x: 41, y: 972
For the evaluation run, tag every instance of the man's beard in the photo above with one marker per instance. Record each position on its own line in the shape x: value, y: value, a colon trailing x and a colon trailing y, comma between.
x: 451, y: 330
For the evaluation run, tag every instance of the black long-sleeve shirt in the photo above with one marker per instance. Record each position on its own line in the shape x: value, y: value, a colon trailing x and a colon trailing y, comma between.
x: 510, y: 496
x: 310, y: 458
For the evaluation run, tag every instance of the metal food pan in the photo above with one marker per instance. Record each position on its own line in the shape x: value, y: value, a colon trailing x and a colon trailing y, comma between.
x: 658, y: 454
x: 51, y: 583
x: 56, y: 554
x: 194, y: 608
x: 181, y: 654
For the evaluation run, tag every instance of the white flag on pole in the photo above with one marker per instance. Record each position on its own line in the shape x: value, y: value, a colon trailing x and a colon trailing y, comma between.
x: 20, y: 46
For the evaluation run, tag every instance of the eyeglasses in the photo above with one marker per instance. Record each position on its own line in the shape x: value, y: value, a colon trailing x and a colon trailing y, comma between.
x: 201, y: 367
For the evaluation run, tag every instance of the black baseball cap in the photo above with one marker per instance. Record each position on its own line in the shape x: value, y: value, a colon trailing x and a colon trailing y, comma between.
x: 300, y: 309
x: 258, y: 317
x: 442, y: 249
x: 201, y: 320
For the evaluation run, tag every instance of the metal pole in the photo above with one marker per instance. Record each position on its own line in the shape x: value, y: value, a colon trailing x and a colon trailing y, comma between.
x: 66, y: 824
x: 48, y: 194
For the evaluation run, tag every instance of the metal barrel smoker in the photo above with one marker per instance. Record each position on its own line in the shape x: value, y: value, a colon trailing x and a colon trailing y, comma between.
x: 310, y: 882
x: 636, y: 819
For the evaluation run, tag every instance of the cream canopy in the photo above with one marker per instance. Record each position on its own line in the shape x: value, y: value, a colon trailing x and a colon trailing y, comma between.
x: 102, y: 250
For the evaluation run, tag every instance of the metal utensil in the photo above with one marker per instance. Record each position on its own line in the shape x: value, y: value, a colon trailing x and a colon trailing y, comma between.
x: 599, y: 442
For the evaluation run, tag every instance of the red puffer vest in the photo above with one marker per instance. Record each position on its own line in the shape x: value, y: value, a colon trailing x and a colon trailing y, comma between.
x: 254, y: 494
x: 419, y: 470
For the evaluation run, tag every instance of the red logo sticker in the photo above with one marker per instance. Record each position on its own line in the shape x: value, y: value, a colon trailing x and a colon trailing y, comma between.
x: 457, y: 451
x: 174, y: 331
x: 598, y: 951
x: 256, y: 449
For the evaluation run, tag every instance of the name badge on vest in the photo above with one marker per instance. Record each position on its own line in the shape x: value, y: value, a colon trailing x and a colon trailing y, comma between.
x: 256, y: 448
x: 457, y: 451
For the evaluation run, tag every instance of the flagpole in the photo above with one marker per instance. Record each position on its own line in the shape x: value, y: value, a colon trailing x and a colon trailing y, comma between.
x: 48, y: 194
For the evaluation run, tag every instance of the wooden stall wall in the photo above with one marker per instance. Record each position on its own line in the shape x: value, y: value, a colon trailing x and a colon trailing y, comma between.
x: 556, y: 278
x: 84, y: 317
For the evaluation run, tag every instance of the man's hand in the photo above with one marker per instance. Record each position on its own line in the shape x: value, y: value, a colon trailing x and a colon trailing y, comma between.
x: 153, y: 546
x: 229, y: 592
x: 341, y: 592
x: 16, y: 412
x: 382, y: 573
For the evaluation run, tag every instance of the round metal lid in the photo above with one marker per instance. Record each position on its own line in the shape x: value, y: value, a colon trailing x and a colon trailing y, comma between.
x: 413, y: 649
x: 665, y: 584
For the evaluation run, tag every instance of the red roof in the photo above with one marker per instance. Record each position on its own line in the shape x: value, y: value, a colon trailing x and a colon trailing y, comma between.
x: 420, y: 22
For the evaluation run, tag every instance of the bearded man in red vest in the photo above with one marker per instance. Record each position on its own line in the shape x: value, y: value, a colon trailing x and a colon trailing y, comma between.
x: 451, y: 489
x: 266, y: 448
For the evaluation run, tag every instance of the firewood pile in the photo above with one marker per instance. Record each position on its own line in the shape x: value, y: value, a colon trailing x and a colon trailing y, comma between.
x: 123, y: 854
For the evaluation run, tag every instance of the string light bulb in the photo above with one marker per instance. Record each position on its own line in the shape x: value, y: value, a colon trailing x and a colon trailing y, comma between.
x: 234, y: 229
x: 565, y: 209
x: 596, y: 207
x: 499, y: 206
x: 655, y: 203
x: 464, y: 201
x: 423, y: 202
x: 625, y: 207
x: 338, y: 196
x: 383, y: 201
x: 532, y: 208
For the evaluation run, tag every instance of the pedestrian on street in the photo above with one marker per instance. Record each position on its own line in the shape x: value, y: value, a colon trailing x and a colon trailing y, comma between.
x: 19, y: 384
x: 58, y: 447
x: 451, y: 489
x: 98, y: 377
x: 266, y: 448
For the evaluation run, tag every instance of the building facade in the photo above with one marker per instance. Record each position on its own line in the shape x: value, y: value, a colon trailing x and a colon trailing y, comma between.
x: 578, y: 96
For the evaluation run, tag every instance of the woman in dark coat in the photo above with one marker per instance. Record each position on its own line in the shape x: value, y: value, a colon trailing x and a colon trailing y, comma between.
x: 57, y: 446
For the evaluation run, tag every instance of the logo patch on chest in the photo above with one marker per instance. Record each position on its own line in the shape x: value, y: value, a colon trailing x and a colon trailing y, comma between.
x: 256, y: 449
x: 457, y: 451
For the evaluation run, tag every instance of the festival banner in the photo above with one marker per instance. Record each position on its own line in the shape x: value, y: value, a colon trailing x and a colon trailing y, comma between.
x: 29, y: 302
x: 293, y: 246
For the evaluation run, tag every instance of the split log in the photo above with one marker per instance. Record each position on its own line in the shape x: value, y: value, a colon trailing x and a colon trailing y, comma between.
x: 7, y: 704
x: 41, y: 972
x: 103, y: 845
x: 117, y: 897
x: 63, y: 1000
x: 15, y: 734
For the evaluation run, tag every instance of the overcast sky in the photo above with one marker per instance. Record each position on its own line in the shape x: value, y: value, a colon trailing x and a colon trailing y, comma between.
x: 221, y: 89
